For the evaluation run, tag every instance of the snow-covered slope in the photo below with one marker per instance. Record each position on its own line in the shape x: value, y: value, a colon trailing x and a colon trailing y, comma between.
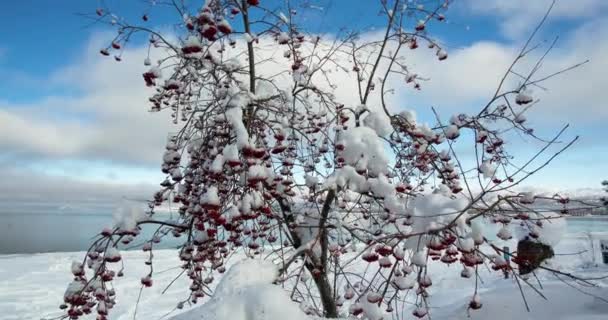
x: 246, y: 292
x: 32, y: 287
x: 504, y: 302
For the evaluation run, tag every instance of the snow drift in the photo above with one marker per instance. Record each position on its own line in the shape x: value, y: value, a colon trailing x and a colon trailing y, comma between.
x: 246, y: 292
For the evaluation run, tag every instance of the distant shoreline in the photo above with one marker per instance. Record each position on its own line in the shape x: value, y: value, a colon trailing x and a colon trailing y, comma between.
x: 589, y: 217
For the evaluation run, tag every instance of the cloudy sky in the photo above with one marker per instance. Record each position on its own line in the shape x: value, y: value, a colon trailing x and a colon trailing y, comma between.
x: 74, y: 125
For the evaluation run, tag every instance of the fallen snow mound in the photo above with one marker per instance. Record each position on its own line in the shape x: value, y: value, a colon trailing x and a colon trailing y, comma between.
x: 246, y: 292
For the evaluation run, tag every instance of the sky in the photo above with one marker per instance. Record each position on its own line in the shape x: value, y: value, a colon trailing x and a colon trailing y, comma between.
x: 74, y: 125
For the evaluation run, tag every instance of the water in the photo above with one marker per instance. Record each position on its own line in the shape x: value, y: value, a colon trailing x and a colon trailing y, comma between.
x: 73, y: 231
x: 43, y: 232
x: 587, y: 224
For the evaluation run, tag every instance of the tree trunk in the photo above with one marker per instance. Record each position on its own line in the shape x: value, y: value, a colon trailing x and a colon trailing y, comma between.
x: 325, y: 291
x: 322, y: 281
x: 317, y: 264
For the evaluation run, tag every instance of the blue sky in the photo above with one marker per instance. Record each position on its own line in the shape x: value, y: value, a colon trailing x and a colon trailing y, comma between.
x: 67, y: 113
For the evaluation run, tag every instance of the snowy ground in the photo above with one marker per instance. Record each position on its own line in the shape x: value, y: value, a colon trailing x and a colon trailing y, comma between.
x: 32, y: 286
x: 502, y: 299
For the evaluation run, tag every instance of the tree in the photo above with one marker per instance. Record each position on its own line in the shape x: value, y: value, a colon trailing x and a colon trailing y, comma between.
x: 270, y: 163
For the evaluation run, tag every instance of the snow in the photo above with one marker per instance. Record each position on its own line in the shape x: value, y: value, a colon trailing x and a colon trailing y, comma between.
x: 156, y: 72
x: 442, y: 54
x: 265, y: 90
x: 466, y: 245
x: 217, y: 165
x: 246, y: 292
x: 409, y: 116
x: 231, y: 153
x: 283, y: 17
x: 499, y: 261
x: 427, y: 207
x: 257, y: 173
x: 502, y: 303
x: 127, y: 215
x: 192, y: 41
x: 283, y: 38
x: 452, y: 132
x: 248, y: 37
x: 232, y: 64
x: 381, y: 187
x: 379, y: 122
x: 363, y: 145
x: 523, y: 97
x: 210, y: 197
x: 404, y: 283
x: 112, y: 254
x: 33, y: 285
x: 173, y: 84
x: 347, y: 176
x: 527, y: 198
x: 487, y: 169
x: 419, y: 259
x: 224, y: 26
x: 77, y: 268
x: 551, y: 231
x: 504, y: 233
x: 73, y: 288
x: 234, y: 114
x: 371, y: 310
x: 311, y: 181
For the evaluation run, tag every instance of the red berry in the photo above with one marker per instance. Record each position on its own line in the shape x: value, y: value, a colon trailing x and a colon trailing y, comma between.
x: 146, y: 281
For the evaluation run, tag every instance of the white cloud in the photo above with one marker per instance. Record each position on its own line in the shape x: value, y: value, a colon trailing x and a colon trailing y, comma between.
x: 23, y: 188
x: 470, y: 73
x: 22, y: 133
x: 518, y: 17
x: 470, y: 76
x: 108, y: 119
